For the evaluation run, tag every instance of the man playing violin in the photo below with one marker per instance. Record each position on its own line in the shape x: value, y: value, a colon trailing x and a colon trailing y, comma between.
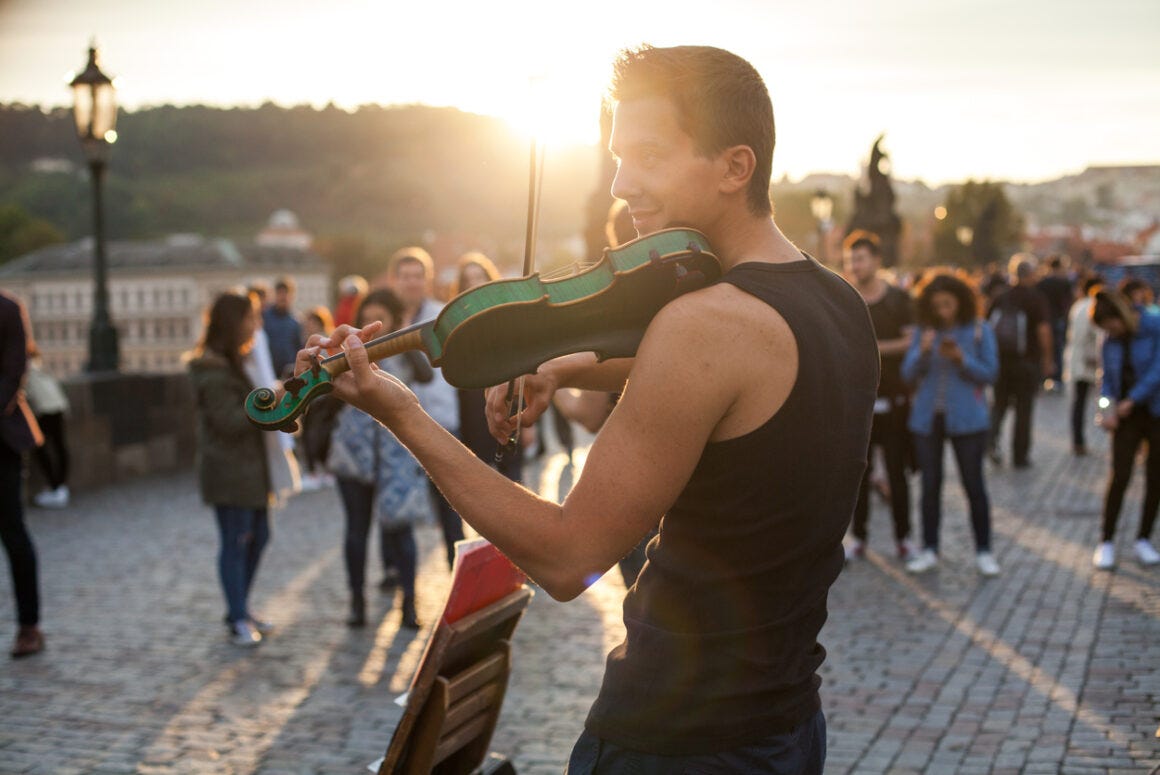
x: 742, y: 429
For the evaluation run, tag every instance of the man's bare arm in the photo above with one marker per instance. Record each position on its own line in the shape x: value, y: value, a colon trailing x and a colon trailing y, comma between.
x: 637, y: 466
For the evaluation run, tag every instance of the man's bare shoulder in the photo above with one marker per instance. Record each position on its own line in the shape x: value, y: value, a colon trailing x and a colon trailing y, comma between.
x: 721, y: 310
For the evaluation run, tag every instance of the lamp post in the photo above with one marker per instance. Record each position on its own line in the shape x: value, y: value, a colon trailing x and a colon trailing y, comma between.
x: 95, y: 112
x: 822, y: 207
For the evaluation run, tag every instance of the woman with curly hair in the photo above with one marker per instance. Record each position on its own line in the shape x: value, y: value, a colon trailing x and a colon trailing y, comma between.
x: 950, y: 362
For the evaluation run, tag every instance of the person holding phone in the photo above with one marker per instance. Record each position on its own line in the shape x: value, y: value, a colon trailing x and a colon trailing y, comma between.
x: 950, y: 362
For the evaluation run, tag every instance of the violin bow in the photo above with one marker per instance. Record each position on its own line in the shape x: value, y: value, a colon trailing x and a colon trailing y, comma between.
x: 535, y: 189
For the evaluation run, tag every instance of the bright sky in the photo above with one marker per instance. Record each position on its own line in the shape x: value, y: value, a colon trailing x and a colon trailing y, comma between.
x: 1012, y: 89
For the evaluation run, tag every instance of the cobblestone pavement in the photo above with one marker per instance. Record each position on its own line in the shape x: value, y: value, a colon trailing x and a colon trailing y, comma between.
x: 1052, y: 667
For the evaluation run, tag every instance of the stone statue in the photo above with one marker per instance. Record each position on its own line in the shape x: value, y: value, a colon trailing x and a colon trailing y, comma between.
x: 874, y: 205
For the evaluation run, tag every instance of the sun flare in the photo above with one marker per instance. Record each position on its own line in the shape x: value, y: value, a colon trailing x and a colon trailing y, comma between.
x: 555, y: 111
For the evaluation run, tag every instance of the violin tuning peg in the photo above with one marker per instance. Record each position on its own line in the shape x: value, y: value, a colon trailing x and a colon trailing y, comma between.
x: 294, y: 386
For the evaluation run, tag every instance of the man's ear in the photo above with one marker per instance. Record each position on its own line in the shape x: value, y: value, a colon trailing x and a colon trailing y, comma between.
x: 738, y: 163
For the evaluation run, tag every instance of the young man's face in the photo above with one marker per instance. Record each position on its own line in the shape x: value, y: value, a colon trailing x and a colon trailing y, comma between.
x: 861, y: 264
x: 410, y: 283
x: 283, y: 298
x: 659, y: 174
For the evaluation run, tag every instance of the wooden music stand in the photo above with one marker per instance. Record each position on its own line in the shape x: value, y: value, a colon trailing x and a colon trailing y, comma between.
x: 455, y: 697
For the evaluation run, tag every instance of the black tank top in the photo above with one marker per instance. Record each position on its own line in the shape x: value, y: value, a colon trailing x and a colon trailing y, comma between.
x: 721, y: 647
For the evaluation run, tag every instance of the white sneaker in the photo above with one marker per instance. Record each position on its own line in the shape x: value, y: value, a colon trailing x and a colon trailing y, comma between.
x: 1105, y: 556
x: 985, y: 562
x: 853, y: 549
x: 1145, y: 552
x: 923, y: 561
x: 53, y: 499
x: 310, y: 483
x: 245, y: 635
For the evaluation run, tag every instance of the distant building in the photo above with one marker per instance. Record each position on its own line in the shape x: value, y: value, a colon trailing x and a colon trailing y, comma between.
x: 158, y: 291
x: 283, y: 231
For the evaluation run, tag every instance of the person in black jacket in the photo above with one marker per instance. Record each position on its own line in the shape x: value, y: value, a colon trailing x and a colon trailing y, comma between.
x: 18, y: 434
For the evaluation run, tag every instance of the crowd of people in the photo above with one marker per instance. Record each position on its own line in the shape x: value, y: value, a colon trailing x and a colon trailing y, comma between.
x: 961, y: 350
x: 715, y: 438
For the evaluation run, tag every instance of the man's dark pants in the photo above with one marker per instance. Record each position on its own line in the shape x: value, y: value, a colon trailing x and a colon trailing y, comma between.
x: 889, y: 432
x: 801, y: 751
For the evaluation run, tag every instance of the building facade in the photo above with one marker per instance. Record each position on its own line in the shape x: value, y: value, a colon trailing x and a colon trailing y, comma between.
x: 158, y: 292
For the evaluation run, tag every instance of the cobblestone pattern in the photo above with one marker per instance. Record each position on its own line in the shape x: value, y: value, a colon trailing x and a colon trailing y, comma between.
x: 1052, y: 667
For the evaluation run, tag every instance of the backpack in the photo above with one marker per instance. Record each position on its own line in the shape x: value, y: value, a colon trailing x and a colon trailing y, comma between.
x: 1010, y: 325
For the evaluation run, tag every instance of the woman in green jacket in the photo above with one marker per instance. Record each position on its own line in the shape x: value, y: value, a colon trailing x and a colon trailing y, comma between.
x: 231, y: 456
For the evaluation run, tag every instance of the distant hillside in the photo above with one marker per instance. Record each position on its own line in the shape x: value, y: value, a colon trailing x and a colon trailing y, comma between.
x: 366, y: 181
x: 381, y: 174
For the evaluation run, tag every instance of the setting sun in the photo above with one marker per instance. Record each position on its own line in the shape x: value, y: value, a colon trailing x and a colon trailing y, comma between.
x: 556, y: 110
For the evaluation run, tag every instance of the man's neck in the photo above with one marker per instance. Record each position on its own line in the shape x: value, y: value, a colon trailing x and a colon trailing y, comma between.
x: 749, y: 238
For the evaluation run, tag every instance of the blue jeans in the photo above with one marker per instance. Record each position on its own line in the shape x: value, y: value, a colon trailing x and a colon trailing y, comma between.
x: 244, y: 533
x: 968, y: 449
x: 398, y: 542
x: 801, y: 751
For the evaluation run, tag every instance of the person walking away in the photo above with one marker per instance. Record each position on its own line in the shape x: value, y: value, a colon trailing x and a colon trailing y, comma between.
x: 893, y: 318
x: 232, y: 461
x: 50, y: 405
x: 952, y: 359
x: 1059, y: 291
x: 1021, y: 321
x: 19, y: 433
x: 368, y: 463
x: 411, y: 274
x: 1129, y: 409
x: 1081, y: 362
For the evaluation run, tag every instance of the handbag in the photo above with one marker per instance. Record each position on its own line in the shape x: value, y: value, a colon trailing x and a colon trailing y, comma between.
x: 403, y: 495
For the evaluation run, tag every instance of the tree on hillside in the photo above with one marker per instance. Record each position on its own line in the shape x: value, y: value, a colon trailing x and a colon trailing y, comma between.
x: 20, y: 233
x: 981, y: 226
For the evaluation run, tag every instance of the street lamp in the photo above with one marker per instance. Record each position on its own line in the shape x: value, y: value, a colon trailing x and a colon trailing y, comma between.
x: 822, y: 207
x: 95, y: 112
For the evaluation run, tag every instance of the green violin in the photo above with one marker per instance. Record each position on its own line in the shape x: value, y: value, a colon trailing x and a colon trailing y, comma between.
x: 500, y: 330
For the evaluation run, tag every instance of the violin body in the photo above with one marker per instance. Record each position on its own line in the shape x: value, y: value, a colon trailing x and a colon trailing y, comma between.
x: 503, y: 329
x: 506, y: 328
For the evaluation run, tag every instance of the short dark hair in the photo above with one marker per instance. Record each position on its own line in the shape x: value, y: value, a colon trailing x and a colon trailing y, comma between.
x: 411, y: 254
x: 386, y: 299
x: 285, y: 283
x: 1130, y: 285
x: 720, y: 99
x: 946, y: 281
x: 860, y: 238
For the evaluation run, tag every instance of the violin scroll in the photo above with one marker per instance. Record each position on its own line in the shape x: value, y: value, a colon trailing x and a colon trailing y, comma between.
x: 271, y: 413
